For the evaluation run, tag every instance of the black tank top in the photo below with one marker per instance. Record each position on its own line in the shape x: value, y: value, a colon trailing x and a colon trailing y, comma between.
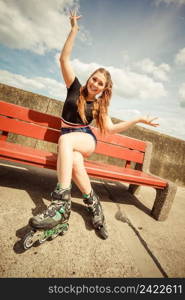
x: 70, y: 109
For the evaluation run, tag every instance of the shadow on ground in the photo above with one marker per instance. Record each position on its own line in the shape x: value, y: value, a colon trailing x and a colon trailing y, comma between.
x: 39, y: 186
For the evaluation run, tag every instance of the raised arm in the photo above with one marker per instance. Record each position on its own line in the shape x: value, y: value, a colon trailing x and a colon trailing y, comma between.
x: 124, y: 125
x: 66, y: 68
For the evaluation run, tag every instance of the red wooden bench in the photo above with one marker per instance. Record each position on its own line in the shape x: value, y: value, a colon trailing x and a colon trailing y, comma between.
x: 136, y: 154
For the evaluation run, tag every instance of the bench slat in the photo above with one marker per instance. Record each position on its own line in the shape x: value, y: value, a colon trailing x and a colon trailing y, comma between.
x: 43, y: 119
x: 121, y: 140
x: 119, y: 152
x: 96, y: 169
x: 29, y: 115
x: 29, y: 130
x: 4, y: 135
x: 24, y: 154
x: 50, y: 135
x: 29, y: 163
x: 110, y: 172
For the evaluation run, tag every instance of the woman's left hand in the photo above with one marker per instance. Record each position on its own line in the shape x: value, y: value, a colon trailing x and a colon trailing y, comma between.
x: 149, y: 120
x: 73, y: 19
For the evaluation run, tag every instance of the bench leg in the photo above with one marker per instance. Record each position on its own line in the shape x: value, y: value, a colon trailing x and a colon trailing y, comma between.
x: 134, y: 189
x: 163, y: 202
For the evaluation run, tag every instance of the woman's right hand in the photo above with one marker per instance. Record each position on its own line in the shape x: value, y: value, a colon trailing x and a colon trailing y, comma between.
x: 73, y: 19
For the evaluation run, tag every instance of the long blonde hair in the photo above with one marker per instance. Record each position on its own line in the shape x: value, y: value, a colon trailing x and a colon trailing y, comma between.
x: 100, y: 105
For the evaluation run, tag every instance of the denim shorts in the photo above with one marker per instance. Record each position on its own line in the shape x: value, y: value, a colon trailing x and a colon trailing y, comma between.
x: 80, y: 129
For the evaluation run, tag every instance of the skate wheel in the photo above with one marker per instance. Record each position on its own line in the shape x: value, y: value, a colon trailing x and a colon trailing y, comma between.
x: 53, y: 236
x: 65, y: 229
x: 42, y: 240
x: 28, y: 240
x: 103, y: 232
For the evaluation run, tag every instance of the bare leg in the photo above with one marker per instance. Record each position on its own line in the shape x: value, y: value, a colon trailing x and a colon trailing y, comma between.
x: 81, y: 178
x: 79, y: 173
x: 68, y: 143
x: 59, y: 210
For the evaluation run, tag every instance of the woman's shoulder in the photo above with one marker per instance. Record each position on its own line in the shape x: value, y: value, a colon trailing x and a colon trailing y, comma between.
x: 75, y: 84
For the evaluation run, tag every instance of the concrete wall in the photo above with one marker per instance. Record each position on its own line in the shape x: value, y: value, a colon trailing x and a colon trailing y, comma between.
x: 168, y: 157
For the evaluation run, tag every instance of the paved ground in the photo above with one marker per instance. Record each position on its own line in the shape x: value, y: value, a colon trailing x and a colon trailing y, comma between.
x: 140, y: 247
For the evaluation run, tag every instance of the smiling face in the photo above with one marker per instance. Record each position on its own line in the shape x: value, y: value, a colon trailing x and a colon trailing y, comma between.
x: 96, y: 84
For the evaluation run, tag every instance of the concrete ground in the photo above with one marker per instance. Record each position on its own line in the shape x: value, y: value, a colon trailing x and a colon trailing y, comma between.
x: 138, y: 246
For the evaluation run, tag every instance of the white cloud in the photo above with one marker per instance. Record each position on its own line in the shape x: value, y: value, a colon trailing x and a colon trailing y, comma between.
x: 172, y: 125
x: 176, y: 2
x: 34, y: 25
x: 182, y: 92
x: 19, y: 81
x: 57, y: 57
x: 125, y: 58
x: 127, y: 84
x: 134, y: 85
x: 158, y: 72
x: 180, y: 57
x: 125, y: 114
x: 84, y: 70
x: 176, y: 127
x: 54, y: 88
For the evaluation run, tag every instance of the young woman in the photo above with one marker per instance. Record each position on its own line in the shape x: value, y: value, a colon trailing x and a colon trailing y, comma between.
x: 83, y: 105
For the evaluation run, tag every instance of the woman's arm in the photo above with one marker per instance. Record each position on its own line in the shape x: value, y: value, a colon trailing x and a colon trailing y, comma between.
x: 124, y: 125
x: 66, y: 68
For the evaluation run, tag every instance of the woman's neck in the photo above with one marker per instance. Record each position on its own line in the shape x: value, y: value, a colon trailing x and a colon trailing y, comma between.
x: 90, y: 98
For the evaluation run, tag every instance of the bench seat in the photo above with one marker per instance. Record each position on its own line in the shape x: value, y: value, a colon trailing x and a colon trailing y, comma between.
x: 47, y: 159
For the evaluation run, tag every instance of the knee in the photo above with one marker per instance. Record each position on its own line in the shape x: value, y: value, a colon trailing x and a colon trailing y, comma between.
x: 77, y: 162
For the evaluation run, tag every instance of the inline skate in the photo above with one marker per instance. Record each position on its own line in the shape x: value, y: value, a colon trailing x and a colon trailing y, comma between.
x: 96, y: 212
x: 52, y: 222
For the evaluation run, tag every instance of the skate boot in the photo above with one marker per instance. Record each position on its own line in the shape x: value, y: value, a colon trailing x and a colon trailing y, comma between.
x: 96, y: 212
x: 53, y: 221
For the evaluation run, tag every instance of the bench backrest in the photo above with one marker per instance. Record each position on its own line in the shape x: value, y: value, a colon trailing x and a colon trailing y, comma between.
x: 30, y: 123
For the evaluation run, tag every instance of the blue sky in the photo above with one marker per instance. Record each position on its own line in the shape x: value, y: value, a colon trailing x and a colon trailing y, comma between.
x: 141, y: 42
